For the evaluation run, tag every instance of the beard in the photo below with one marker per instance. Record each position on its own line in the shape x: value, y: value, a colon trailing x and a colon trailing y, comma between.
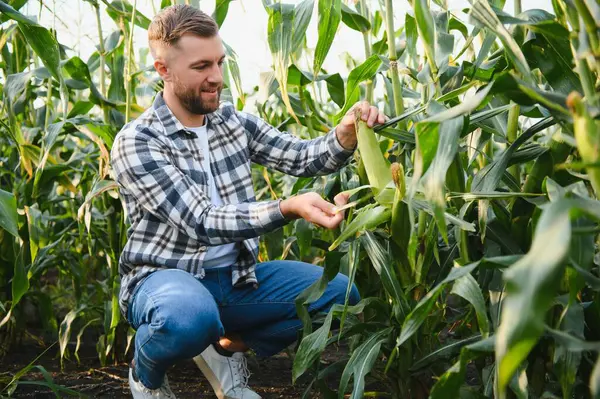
x: 192, y: 100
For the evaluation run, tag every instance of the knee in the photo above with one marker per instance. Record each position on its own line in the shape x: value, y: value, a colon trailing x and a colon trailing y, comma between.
x: 193, y: 325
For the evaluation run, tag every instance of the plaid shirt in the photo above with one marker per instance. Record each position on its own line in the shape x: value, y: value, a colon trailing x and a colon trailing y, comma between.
x: 158, y: 168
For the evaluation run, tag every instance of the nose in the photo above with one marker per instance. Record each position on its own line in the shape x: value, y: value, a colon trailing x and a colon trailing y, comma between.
x: 216, y: 74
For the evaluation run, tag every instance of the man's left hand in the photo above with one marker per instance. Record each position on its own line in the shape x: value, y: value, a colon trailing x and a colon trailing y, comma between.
x: 346, y: 132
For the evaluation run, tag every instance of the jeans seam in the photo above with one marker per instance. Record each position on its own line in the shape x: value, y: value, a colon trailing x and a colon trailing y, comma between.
x: 280, y: 331
x: 260, y: 303
x: 151, y: 334
x: 220, y: 287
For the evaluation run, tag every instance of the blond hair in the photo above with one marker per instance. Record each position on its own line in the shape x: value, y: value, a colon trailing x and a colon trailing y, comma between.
x: 172, y: 22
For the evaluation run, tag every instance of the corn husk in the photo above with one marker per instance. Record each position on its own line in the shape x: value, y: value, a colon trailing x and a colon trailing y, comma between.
x: 375, y: 164
x: 587, y: 135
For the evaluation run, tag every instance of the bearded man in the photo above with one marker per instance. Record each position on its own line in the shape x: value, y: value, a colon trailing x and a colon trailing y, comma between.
x: 191, y: 283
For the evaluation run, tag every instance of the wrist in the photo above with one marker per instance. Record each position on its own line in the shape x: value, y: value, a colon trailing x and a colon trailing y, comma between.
x: 345, y: 137
x: 285, y: 206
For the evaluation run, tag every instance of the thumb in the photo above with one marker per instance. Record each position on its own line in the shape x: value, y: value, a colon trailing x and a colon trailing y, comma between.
x: 341, y: 199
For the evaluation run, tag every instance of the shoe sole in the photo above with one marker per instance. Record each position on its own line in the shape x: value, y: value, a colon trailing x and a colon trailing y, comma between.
x: 210, y: 376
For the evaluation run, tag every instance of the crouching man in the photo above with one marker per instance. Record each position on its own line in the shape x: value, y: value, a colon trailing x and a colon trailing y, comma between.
x: 190, y: 283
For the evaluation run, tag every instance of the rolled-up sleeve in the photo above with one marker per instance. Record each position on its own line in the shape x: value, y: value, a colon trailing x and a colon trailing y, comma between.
x: 143, y: 166
x: 290, y: 154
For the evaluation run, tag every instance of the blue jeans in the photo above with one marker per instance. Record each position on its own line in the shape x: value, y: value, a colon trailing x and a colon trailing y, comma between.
x: 177, y: 316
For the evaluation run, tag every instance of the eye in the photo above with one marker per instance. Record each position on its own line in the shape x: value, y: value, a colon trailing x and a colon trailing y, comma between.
x: 199, y: 68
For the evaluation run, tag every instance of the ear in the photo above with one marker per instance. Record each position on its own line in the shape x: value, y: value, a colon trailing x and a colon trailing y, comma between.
x: 163, y: 70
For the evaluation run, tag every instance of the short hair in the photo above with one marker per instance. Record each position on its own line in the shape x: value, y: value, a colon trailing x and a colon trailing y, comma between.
x: 172, y: 22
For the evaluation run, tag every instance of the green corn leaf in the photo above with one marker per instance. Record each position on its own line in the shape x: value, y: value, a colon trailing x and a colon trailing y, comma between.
x: 304, y: 234
x: 423, y: 309
x: 444, y: 352
x: 410, y: 26
x: 567, y: 355
x: 330, y: 15
x: 483, y: 13
x: 361, y: 362
x: 221, y: 8
x: 20, y: 281
x: 123, y: 9
x: 354, y: 20
x: 8, y: 213
x: 488, y: 178
x: 364, y: 71
x: 312, y: 345
x: 531, y: 284
x: 64, y: 333
x: 449, y: 383
x: 427, y: 30
x: 302, y: 15
x: 335, y: 87
x: 445, y: 148
x: 399, y: 135
x: 367, y: 219
x: 280, y: 33
x: 464, y: 108
x: 467, y: 288
x: 419, y: 204
x: 315, y: 290
x: 383, y: 265
x: 39, y: 38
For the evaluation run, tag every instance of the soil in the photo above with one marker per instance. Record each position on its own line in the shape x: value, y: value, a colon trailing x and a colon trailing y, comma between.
x: 271, y: 378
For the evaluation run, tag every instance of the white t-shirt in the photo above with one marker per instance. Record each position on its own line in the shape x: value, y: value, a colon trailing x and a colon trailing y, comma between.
x: 220, y: 255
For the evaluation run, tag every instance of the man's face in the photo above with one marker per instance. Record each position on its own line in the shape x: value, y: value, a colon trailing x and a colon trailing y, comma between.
x: 196, y: 69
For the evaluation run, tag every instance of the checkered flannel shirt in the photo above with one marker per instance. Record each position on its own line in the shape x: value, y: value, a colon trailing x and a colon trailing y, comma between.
x: 163, y: 184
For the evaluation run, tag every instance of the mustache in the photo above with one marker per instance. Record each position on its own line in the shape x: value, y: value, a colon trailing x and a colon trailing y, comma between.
x: 212, y: 88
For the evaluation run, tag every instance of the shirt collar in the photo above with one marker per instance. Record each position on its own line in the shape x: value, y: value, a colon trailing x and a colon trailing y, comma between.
x: 171, y: 124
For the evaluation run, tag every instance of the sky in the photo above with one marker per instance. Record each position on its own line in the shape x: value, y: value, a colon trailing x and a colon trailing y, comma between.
x: 244, y: 29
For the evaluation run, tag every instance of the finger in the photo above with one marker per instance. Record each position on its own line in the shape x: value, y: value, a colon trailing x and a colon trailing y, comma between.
x: 325, y: 220
x: 381, y: 118
x: 364, y: 109
x: 373, y: 112
x: 336, y: 220
x: 341, y: 199
x: 324, y: 206
x: 331, y: 222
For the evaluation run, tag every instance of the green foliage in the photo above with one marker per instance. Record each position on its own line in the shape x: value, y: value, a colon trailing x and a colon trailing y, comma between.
x: 478, y: 272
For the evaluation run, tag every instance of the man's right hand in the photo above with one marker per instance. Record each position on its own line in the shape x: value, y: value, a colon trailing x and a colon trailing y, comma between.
x: 312, y: 208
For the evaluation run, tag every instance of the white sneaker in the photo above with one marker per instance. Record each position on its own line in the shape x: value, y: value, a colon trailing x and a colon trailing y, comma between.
x: 228, y: 376
x: 139, y: 391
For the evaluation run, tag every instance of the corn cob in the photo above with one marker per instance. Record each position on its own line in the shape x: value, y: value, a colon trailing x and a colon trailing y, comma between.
x: 400, y: 222
x: 375, y: 164
x: 400, y: 226
x: 587, y: 135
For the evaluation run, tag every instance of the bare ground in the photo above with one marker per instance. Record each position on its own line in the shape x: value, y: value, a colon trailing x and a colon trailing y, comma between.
x: 271, y: 378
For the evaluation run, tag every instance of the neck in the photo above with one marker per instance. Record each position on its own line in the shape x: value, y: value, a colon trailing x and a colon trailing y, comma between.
x: 184, y: 116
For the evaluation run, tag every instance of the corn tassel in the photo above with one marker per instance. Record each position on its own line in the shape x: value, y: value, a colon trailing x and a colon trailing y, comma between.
x: 587, y: 135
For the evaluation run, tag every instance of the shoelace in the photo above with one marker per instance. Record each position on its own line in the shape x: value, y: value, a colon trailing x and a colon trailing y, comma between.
x: 166, y: 389
x: 243, y: 372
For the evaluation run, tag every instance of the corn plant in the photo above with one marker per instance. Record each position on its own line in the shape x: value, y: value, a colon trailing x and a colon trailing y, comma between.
x: 472, y: 227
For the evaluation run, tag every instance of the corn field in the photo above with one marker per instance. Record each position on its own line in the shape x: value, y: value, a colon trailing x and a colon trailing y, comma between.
x: 472, y: 229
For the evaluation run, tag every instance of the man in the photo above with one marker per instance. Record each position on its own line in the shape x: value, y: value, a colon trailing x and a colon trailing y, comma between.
x: 191, y: 285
